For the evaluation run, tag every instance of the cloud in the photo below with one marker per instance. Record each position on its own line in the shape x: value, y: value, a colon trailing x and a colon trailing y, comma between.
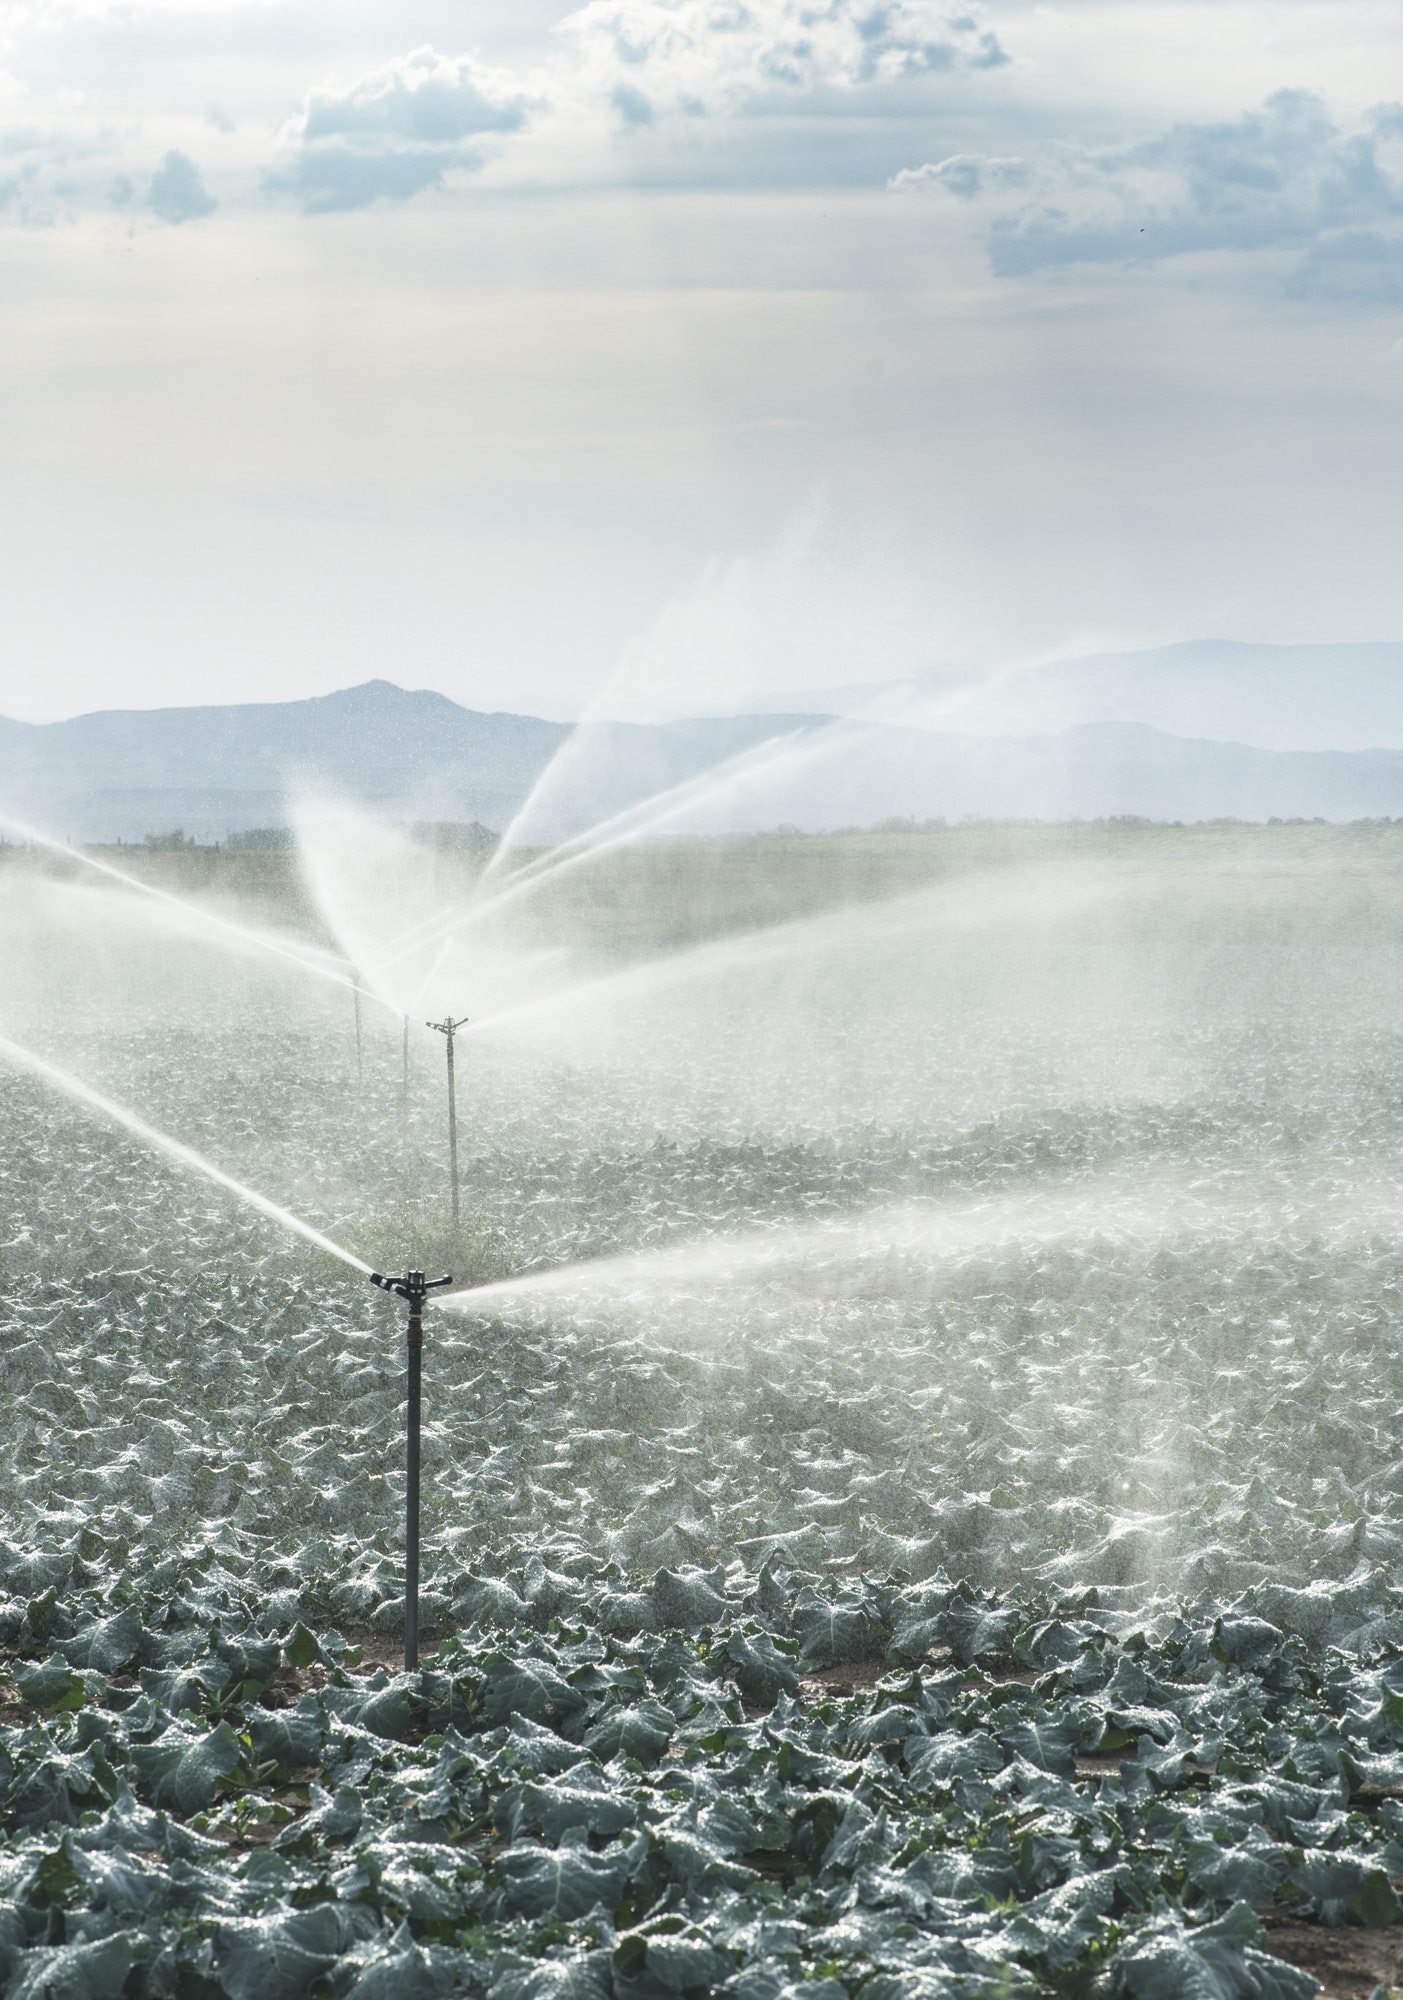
x: 1351, y: 263
x: 699, y: 57
x: 177, y: 194
x: 637, y: 63
x: 41, y: 172
x: 398, y: 130
x: 965, y: 175
x: 632, y: 106
x: 1284, y: 177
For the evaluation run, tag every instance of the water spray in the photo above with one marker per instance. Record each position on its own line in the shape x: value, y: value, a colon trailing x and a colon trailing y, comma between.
x: 413, y: 1288
x: 174, y: 1149
x: 448, y: 1028
x: 308, y: 958
x: 621, y: 829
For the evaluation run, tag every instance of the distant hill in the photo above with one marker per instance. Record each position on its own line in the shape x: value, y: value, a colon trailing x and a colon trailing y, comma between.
x: 1324, y: 697
x: 416, y: 756
x: 858, y: 774
x: 218, y: 770
x: 412, y: 754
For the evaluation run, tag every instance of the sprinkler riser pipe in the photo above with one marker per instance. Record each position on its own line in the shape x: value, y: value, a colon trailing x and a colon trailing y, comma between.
x: 448, y: 1028
x: 413, y: 1288
x: 415, y: 1356
x: 453, y: 1132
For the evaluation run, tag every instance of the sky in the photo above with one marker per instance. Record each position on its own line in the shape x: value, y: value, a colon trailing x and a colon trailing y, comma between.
x: 532, y: 352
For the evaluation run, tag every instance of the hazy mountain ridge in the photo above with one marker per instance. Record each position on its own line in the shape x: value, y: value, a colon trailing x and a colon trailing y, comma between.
x: 373, y: 739
x: 1284, y: 698
x: 409, y: 752
x: 1109, y: 769
x: 417, y: 755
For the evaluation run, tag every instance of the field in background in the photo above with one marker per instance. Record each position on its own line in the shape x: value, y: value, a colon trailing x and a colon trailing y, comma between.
x: 661, y: 893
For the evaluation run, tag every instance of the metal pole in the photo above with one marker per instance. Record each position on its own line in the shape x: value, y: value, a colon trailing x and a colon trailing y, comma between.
x: 411, y: 1484
x: 413, y: 1288
x: 452, y: 1130
x: 448, y: 1028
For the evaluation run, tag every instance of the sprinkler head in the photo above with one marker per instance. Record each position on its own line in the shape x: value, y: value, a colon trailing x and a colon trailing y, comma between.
x: 413, y: 1286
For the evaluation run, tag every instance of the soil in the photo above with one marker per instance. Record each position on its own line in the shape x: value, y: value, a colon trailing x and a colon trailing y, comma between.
x: 1351, y: 1964
x: 385, y: 1649
x: 852, y: 1677
x: 856, y: 1676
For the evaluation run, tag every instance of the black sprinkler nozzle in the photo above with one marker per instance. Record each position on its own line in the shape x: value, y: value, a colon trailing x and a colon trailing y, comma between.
x: 413, y: 1286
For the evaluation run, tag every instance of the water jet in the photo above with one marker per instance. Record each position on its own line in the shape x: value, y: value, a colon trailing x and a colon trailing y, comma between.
x: 307, y: 958
x: 174, y: 1149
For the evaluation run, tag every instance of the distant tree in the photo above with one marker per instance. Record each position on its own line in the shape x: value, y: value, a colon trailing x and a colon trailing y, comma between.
x: 453, y: 836
x: 261, y: 840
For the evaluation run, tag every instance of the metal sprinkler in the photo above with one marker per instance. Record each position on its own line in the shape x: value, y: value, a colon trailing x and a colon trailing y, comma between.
x: 448, y: 1028
x: 414, y: 1288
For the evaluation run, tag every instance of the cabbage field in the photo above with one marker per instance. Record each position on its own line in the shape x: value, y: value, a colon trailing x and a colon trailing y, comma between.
x: 912, y: 1486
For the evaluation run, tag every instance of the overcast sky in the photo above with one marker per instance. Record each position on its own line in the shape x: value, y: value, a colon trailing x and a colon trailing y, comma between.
x: 510, y: 348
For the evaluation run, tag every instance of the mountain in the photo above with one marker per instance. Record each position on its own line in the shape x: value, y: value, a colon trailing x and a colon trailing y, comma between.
x: 859, y: 774
x: 218, y: 770
x: 416, y: 755
x: 1286, y: 698
x: 411, y: 754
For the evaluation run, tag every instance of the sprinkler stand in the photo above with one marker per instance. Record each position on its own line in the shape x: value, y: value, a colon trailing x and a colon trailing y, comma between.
x: 448, y: 1028
x: 413, y: 1288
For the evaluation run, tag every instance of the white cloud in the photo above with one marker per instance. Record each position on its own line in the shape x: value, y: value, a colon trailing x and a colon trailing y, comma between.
x: 409, y: 124
x: 1283, y: 177
x: 965, y: 175
x: 42, y: 172
x: 398, y: 130
x: 422, y: 98
x: 49, y: 178
x: 694, y: 57
x: 177, y: 193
